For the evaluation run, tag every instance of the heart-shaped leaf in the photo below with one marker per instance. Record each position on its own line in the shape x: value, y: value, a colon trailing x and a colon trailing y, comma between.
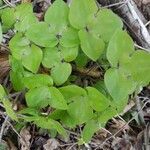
x: 80, y: 110
x: 22, y: 10
x: 119, y: 83
x: 8, y: 18
x: 71, y: 91
x: 70, y: 38
x: 97, y: 100
x: 139, y: 67
x: 120, y: 47
x: 51, y: 58
x: 48, y: 123
x: 19, y: 45
x: 16, y: 74
x: 91, y: 45
x: 32, y: 58
x: 89, y: 129
x: 38, y: 97
x: 41, y: 35
x: 37, y: 81
x: 57, y: 100
x: 106, y: 115
x: 69, y: 54
x: 105, y: 23
x: 57, y: 16
x: 61, y: 72
x: 80, y: 10
x: 23, y: 24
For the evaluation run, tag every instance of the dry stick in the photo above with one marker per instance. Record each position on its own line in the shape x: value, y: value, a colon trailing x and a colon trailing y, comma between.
x: 123, y: 126
x: 8, y: 3
x: 115, y: 4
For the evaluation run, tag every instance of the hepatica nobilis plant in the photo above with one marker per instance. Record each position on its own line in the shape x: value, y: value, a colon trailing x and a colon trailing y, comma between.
x: 70, y: 35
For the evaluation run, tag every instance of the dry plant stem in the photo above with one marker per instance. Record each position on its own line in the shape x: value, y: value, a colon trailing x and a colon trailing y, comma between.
x: 140, y: 115
x: 134, y: 19
x: 3, y: 128
x: 8, y: 3
x: 88, y: 72
x: 101, y: 145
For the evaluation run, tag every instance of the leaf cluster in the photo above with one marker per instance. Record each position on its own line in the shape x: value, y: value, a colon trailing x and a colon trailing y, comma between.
x: 69, y: 35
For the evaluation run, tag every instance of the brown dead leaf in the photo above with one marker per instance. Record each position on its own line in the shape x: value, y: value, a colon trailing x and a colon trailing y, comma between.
x: 25, y: 139
x: 4, y: 65
x: 51, y: 144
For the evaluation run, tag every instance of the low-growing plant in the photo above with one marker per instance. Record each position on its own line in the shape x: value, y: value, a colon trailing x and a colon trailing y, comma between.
x: 71, y: 35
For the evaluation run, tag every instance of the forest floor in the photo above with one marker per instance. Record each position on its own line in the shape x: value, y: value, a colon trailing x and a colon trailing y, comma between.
x: 128, y: 131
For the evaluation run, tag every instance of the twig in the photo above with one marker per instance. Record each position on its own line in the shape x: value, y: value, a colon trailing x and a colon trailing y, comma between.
x: 115, y: 4
x: 72, y: 146
x: 8, y: 3
x: 144, y: 30
x: 140, y: 114
x: 3, y: 128
x: 142, y: 48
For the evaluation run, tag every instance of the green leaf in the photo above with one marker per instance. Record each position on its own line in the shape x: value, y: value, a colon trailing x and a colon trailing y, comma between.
x: 10, y: 112
x: 67, y: 120
x: 2, y: 93
x: 119, y: 83
x: 57, y: 16
x: 81, y: 59
x: 91, y: 45
x: 48, y: 123
x: 8, y: 18
x: 80, y: 10
x: 120, y: 47
x: 105, y: 23
x: 106, y: 115
x: 69, y: 54
x: 32, y: 58
x: 37, y: 81
x: 61, y: 72
x: 80, y: 110
x: 1, y: 35
x: 40, y: 34
x: 16, y: 74
x: 72, y: 91
x: 38, y: 97
x: 139, y: 67
x: 51, y: 57
x: 70, y: 38
x: 89, y: 129
x: 57, y: 100
x: 18, y: 45
x: 24, y: 24
x: 29, y: 111
x: 97, y: 100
